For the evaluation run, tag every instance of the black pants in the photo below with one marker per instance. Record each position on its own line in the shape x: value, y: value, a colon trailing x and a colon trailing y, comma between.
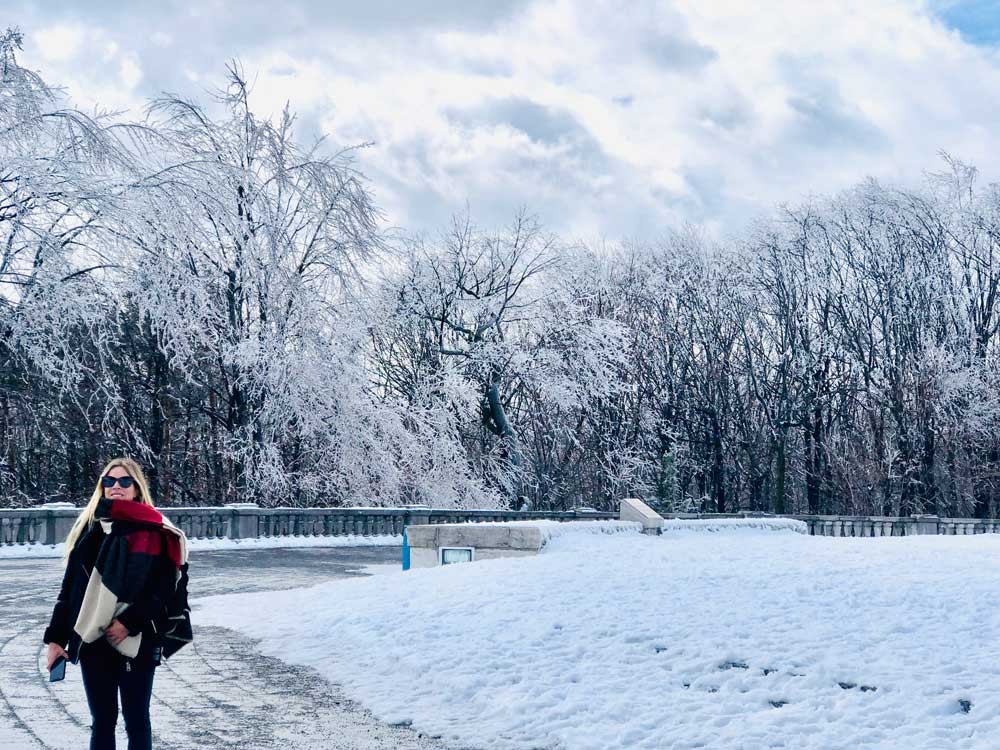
x: 104, y: 676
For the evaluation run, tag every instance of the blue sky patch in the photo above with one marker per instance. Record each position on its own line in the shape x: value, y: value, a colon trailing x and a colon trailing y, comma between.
x: 978, y: 21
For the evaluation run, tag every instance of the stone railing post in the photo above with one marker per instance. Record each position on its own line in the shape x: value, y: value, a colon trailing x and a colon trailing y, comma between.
x: 243, y: 520
x: 59, y: 519
x: 921, y: 525
x: 416, y: 518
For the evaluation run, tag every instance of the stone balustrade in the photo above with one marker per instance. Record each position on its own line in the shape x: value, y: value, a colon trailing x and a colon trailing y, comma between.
x: 870, y: 526
x: 49, y: 524
x: 905, y: 526
x: 19, y: 527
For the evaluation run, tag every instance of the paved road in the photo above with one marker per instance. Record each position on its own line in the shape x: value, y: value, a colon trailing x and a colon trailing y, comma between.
x: 215, y: 693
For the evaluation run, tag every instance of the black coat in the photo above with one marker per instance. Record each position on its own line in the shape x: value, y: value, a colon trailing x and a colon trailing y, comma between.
x: 147, y: 615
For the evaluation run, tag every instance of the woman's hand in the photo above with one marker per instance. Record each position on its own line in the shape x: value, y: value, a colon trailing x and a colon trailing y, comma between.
x: 55, y: 651
x: 116, y: 632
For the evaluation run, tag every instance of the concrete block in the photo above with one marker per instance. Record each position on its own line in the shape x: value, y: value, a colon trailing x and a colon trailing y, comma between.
x: 422, y: 557
x: 633, y: 509
x: 490, y: 541
x: 493, y: 554
x: 526, y: 538
x: 421, y: 535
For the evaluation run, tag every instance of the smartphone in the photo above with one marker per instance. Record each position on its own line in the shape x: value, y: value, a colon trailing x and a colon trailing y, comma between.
x: 58, y: 670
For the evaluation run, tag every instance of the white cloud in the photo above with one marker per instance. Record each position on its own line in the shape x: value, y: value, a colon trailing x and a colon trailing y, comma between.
x: 60, y: 42
x: 600, y: 119
x: 129, y: 72
x: 96, y: 69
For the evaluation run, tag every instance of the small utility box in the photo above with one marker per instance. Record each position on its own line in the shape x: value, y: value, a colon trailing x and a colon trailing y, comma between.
x: 452, y: 555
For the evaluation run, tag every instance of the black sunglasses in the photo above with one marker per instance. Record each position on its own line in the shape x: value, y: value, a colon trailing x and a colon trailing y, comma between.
x: 125, y: 482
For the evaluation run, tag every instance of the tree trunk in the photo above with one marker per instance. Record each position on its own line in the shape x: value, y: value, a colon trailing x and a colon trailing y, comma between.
x: 718, y: 469
x: 495, y: 418
x: 780, y: 468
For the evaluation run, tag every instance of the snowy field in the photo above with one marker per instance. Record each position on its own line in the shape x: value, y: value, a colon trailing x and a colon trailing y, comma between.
x: 199, y: 545
x: 738, y: 639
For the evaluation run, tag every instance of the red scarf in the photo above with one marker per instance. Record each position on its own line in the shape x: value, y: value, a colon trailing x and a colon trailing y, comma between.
x: 147, y: 541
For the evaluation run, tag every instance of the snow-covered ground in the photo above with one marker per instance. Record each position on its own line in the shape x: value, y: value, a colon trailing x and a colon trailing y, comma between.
x: 196, y: 545
x: 740, y: 639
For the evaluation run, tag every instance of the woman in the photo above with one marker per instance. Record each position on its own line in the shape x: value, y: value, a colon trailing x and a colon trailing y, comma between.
x: 123, y: 602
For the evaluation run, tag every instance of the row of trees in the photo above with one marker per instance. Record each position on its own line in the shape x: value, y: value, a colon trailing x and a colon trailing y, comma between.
x: 201, y: 291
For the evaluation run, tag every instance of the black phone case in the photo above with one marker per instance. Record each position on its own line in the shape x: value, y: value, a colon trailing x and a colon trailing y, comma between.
x: 58, y: 670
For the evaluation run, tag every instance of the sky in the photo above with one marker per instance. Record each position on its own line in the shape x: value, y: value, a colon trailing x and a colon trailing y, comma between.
x: 606, y: 123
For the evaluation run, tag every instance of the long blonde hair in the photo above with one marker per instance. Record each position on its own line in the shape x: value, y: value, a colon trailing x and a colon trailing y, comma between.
x: 86, y: 517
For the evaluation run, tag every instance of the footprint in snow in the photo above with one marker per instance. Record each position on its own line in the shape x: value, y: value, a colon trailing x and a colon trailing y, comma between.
x: 733, y: 665
x: 852, y: 685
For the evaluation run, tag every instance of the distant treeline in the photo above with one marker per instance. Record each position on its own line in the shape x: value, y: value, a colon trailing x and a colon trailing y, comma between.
x: 202, y: 292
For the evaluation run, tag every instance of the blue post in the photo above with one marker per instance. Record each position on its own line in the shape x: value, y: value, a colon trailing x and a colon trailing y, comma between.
x: 406, y: 551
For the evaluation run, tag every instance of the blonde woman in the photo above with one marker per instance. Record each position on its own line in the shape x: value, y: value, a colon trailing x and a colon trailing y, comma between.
x: 122, y: 607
